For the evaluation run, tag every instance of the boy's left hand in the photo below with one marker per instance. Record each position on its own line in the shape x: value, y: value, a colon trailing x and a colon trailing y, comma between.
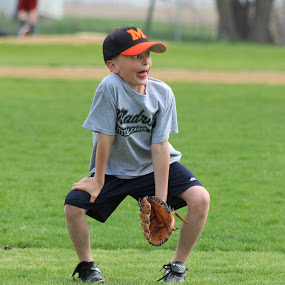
x: 90, y: 185
x: 157, y: 220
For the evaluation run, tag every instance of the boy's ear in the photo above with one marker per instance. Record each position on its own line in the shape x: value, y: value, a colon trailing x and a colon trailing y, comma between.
x: 112, y: 66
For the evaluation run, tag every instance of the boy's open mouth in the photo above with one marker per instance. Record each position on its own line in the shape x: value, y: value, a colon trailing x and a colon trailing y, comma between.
x: 143, y: 74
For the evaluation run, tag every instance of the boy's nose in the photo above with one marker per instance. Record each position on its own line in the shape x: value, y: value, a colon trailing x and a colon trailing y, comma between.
x: 146, y: 59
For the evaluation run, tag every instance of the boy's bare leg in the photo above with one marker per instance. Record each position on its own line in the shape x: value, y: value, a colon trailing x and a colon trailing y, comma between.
x: 79, y: 233
x: 33, y: 17
x: 23, y: 15
x: 198, y: 201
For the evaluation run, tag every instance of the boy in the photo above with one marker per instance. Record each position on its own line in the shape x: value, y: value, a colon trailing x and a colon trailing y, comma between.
x: 132, y: 117
x: 27, y: 15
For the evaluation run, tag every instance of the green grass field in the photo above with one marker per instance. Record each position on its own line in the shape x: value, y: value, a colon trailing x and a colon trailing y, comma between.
x: 195, y: 56
x: 231, y: 136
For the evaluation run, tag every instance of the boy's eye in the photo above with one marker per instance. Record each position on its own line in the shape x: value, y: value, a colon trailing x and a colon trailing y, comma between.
x: 147, y: 54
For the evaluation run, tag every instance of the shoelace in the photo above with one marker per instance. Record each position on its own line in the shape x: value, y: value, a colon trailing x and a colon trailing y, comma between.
x: 166, y: 267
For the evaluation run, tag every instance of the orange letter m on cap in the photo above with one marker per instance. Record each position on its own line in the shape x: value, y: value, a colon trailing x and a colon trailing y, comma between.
x: 136, y: 34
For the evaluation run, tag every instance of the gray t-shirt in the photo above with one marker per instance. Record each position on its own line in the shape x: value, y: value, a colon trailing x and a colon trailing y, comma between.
x: 136, y: 120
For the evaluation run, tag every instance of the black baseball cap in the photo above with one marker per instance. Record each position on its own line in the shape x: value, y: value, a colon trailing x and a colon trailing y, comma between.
x: 128, y: 41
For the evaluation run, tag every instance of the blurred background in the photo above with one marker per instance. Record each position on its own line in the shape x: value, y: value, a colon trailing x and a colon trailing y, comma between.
x: 261, y: 21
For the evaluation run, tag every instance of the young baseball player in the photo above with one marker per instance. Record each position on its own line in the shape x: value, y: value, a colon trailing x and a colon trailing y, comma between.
x: 28, y: 17
x: 131, y: 117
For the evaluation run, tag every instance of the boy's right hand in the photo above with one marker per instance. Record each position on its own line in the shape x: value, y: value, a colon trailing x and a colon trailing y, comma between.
x: 90, y: 185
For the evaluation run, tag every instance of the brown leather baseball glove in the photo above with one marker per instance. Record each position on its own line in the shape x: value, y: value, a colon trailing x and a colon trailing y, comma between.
x: 157, y: 220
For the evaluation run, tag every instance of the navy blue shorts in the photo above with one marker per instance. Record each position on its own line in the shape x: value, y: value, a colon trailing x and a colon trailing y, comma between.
x: 115, y: 190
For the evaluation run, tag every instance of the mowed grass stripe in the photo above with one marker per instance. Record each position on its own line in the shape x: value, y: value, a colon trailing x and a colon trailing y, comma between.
x: 129, y: 266
x: 213, y: 56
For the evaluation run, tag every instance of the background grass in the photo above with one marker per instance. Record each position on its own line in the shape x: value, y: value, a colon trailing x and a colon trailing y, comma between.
x: 74, y: 25
x: 231, y: 137
x: 126, y: 267
x: 194, y: 56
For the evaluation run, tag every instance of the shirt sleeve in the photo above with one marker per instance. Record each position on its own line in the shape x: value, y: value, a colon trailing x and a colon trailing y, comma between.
x: 102, y: 115
x: 166, y: 123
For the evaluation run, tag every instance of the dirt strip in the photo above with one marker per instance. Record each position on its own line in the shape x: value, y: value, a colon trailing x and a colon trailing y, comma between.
x: 169, y: 75
x: 78, y: 39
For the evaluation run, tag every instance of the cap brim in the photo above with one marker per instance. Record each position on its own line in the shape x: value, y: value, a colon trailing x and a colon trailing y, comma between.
x: 140, y: 48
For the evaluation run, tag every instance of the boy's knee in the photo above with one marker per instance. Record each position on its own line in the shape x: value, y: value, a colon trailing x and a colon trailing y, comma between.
x: 72, y: 211
x: 198, y: 199
x: 204, y: 199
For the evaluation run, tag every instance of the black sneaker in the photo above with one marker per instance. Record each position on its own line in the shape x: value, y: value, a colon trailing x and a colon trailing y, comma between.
x: 174, y: 272
x: 88, y: 272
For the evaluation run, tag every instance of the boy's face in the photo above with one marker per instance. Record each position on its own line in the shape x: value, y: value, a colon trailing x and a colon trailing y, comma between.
x: 132, y: 69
